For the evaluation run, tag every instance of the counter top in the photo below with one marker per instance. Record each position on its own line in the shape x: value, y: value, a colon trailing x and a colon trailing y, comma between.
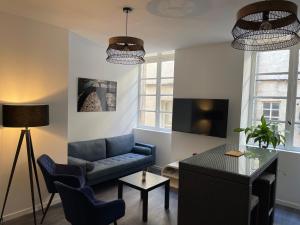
x: 216, y: 162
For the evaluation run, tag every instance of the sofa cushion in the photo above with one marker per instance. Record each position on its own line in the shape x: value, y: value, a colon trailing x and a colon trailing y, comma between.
x: 116, y: 164
x: 119, y: 145
x: 92, y: 150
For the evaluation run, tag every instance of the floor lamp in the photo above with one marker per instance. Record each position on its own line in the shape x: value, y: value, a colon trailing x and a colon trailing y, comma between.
x: 25, y: 116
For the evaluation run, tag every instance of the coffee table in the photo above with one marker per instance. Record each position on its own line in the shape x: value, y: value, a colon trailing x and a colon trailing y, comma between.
x: 152, y: 181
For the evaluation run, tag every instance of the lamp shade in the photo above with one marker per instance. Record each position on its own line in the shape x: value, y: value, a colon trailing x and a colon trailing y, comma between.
x: 25, y: 115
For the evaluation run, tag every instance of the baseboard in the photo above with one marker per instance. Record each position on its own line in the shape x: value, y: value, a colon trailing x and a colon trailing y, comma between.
x: 26, y: 211
x: 288, y: 204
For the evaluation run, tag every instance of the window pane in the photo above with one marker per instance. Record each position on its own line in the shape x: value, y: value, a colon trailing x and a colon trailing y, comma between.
x: 272, y: 88
x: 166, y: 87
x: 148, y: 87
x: 147, y: 118
x: 266, y: 105
x: 299, y: 62
x: 267, y: 112
x: 149, y: 70
x: 166, y: 120
x: 167, y: 69
x: 275, y: 106
x: 298, y: 86
x: 148, y: 103
x: 273, y: 62
x: 166, y: 103
x: 283, y: 76
x: 274, y: 114
x: 297, y: 111
x: 297, y: 135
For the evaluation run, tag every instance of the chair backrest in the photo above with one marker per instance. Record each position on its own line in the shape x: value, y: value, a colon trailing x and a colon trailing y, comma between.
x: 47, y: 166
x: 78, y: 207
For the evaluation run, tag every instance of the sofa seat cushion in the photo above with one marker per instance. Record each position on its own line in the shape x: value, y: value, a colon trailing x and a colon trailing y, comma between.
x: 116, y: 164
x: 119, y: 145
x: 92, y: 150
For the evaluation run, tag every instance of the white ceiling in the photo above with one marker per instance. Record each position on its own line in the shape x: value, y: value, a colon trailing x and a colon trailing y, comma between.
x: 162, y: 24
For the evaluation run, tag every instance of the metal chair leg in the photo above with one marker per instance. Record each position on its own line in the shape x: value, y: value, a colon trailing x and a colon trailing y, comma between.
x: 48, y: 206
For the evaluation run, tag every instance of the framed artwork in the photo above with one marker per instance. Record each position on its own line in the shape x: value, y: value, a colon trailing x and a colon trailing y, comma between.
x: 96, y: 95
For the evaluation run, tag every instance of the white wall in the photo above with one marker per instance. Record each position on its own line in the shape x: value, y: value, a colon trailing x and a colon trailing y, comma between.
x: 288, y: 184
x: 33, y: 69
x: 205, y: 71
x: 87, y: 60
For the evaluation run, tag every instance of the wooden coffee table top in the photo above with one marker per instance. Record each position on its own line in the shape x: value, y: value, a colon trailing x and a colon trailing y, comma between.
x: 152, y: 181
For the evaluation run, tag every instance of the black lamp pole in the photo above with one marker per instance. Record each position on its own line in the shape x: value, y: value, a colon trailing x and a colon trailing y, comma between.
x: 25, y: 116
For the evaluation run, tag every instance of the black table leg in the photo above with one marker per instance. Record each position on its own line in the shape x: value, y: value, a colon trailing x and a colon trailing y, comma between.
x: 145, y: 205
x: 120, y: 190
x: 167, y: 194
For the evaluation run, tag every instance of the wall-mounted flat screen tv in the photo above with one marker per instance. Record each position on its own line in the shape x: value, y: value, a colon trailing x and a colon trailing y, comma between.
x: 201, y: 116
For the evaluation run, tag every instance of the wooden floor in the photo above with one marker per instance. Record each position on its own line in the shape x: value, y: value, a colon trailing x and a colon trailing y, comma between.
x: 157, y: 214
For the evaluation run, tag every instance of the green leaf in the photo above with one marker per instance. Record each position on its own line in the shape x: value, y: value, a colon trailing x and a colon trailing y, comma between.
x: 274, y: 142
x: 238, y: 130
x: 266, y: 132
x: 248, y: 138
x: 263, y: 121
x: 247, y: 130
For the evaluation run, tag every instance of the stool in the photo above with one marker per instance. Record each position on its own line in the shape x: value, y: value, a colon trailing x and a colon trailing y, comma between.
x: 254, y: 206
x: 264, y: 188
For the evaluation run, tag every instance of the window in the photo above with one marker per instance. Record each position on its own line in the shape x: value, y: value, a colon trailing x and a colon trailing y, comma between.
x: 271, y: 110
x: 156, y: 91
x: 275, y: 92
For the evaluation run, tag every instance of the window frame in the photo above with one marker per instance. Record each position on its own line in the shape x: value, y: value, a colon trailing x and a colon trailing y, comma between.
x: 158, y: 58
x: 291, y: 97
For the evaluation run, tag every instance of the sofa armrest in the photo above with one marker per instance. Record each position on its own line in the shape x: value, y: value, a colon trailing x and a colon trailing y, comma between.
x: 152, y: 147
x: 85, y: 165
x: 142, y: 150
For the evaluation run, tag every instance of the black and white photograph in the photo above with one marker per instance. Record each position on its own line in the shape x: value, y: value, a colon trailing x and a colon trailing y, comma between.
x: 96, y: 95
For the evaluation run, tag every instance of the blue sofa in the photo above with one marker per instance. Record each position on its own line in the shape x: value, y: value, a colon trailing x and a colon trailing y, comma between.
x: 110, y: 158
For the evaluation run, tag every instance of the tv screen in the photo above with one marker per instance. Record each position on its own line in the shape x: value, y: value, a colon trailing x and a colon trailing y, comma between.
x: 201, y: 116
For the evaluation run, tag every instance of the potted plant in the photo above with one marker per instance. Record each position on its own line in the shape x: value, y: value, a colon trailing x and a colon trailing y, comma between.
x: 265, y: 133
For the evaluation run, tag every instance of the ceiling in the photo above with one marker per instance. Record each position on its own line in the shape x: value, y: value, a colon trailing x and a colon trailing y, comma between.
x: 162, y: 24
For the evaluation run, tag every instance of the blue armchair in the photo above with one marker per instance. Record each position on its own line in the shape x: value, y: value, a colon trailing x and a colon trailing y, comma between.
x: 82, y: 208
x: 71, y: 175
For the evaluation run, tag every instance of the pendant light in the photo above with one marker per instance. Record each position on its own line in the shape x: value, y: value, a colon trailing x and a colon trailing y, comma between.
x: 266, y: 25
x: 124, y: 49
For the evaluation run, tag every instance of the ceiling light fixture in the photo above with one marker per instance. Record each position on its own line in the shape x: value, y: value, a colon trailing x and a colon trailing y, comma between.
x: 266, y: 25
x: 124, y: 49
